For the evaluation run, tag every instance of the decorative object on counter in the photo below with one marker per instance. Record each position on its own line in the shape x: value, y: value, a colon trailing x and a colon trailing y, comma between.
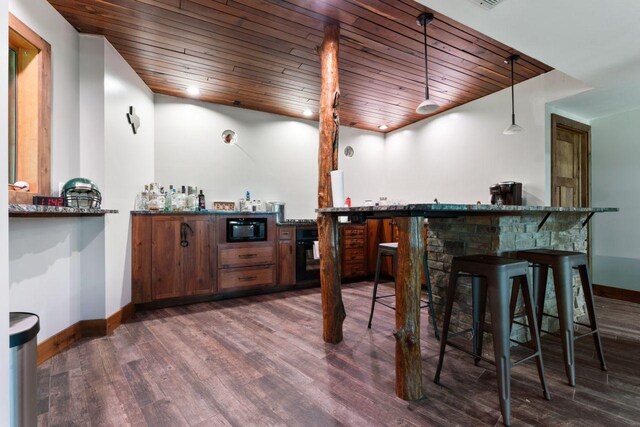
x: 427, y: 106
x: 81, y: 193
x: 224, y: 206
x: 506, y: 193
x: 134, y: 119
x: 368, y: 202
x: 229, y: 137
x: 347, y: 202
x: 337, y: 188
x: 278, y: 208
x: 48, y: 201
x: 513, y: 128
x: 348, y: 151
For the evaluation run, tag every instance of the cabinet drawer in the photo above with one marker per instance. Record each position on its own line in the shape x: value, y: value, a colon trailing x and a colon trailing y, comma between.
x: 354, y: 242
x: 247, y: 277
x: 239, y: 257
x: 354, y: 269
x: 353, y: 255
x: 353, y: 231
x: 286, y: 233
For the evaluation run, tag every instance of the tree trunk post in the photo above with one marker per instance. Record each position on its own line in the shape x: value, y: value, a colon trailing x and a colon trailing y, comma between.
x: 407, y: 333
x: 333, y: 313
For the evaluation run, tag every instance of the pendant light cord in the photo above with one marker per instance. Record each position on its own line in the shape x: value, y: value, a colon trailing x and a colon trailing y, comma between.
x: 426, y: 71
x: 513, y: 102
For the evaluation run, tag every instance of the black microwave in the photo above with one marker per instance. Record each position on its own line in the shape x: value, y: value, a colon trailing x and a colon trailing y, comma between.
x: 246, y: 230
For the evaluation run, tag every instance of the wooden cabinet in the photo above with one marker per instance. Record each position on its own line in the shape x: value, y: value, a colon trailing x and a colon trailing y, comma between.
x: 286, y: 256
x: 353, y: 238
x: 173, y: 256
x: 246, y: 265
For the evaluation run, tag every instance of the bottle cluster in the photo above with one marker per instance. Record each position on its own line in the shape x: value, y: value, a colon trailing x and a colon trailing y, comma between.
x: 155, y: 198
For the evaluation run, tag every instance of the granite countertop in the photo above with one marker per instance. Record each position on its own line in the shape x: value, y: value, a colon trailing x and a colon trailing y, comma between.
x: 205, y: 212
x: 55, y: 211
x: 433, y: 209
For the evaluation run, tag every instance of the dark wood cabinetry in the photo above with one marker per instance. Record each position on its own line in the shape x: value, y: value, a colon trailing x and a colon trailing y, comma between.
x: 173, y: 256
x: 286, y: 256
x: 353, y: 240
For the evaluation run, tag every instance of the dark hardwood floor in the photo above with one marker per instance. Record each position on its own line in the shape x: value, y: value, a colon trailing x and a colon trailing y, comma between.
x: 261, y: 361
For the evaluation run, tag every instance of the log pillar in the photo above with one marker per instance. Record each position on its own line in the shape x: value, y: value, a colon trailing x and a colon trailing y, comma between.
x: 407, y: 333
x: 333, y: 313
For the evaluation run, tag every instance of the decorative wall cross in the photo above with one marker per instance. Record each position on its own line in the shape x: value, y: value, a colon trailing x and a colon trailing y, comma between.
x: 134, y: 119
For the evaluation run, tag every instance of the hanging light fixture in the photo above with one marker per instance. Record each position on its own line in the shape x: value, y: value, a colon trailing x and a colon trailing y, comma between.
x: 513, y: 127
x: 427, y: 106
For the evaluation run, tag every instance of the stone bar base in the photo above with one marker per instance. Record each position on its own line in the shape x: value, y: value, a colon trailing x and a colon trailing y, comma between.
x: 501, y: 235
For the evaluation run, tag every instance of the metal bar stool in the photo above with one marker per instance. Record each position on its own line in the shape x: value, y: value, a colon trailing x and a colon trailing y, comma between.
x: 492, y: 275
x: 391, y: 249
x: 563, y: 263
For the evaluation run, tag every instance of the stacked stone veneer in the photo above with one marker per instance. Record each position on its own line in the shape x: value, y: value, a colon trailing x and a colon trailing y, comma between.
x: 501, y: 235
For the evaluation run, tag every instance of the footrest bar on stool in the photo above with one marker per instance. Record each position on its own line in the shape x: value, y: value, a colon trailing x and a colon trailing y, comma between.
x: 457, y: 334
x: 471, y: 353
x: 524, y: 359
x: 585, y: 334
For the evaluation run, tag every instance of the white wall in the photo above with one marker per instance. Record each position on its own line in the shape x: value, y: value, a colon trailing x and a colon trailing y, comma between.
x: 458, y: 154
x: 275, y: 157
x: 615, y: 150
x: 4, y: 228
x: 129, y: 164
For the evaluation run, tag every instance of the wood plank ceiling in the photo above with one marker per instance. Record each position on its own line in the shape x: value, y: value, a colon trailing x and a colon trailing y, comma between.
x: 261, y: 54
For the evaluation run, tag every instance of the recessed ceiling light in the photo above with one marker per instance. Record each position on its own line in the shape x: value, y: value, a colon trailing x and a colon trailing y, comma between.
x: 307, y: 113
x: 383, y: 127
x: 192, y: 90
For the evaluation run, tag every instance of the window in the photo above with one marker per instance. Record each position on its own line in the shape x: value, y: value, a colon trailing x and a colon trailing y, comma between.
x: 29, y: 112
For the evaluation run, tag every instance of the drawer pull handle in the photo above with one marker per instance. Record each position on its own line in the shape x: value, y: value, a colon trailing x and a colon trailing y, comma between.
x: 247, y: 279
x: 245, y: 256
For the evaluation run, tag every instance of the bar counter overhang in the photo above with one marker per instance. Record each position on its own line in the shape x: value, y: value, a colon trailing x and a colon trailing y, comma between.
x: 453, y: 230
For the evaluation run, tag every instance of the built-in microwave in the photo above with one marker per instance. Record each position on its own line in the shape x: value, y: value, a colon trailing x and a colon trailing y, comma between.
x: 246, y: 230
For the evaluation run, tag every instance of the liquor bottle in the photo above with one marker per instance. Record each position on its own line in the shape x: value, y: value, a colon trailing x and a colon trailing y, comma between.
x: 192, y: 198
x: 181, y: 200
x: 174, y: 200
x: 160, y: 202
x: 167, y: 199
x: 144, y: 198
x: 201, y: 203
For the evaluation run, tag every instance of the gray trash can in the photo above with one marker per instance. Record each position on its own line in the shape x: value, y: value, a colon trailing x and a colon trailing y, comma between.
x: 23, y: 331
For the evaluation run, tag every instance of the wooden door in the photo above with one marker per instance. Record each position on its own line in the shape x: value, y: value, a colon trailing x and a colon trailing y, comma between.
x: 198, y: 257
x: 570, y: 152
x: 166, y: 255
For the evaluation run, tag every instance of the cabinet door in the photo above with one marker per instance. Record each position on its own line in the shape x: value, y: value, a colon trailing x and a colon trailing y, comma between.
x: 166, y: 255
x: 286, y: 262
x: 198, y: 257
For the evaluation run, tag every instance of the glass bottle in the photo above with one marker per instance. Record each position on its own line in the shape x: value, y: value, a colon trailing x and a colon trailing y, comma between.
x: 144, y: 199
x: 174, y: 200
x: 202, y: 205
x: 167, y: 199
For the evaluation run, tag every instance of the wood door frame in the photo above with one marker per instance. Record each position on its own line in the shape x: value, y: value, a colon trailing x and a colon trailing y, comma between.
x: 564, y: 122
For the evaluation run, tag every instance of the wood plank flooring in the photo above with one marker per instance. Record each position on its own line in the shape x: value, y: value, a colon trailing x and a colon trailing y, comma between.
x: 261, y: 361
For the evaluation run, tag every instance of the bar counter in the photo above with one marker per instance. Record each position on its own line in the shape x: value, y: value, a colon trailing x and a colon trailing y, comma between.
x: 456, y: 230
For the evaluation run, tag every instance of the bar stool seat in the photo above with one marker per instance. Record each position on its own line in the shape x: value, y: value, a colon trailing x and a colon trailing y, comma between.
x: 492, y: 276
x: 563, y: 263
x: 391, y: 249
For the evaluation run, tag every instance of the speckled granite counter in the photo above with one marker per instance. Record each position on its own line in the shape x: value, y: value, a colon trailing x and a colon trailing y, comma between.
x: 205, y: 212
x: 34, y: 211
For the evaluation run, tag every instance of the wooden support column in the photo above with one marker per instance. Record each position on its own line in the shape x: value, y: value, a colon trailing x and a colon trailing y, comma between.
x: 333, y: 313
x: 407, y: 333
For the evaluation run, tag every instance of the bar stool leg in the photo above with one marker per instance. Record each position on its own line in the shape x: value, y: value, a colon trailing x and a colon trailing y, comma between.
x: 479, y: 298
x: 540, y: 286
x: 535, y: 334
x: 515, y: 291
x: 588, y: 297
x: 432, y: 312
x: 451, y: 292
x: 501, y: 325
x: 375, y: 286
x: 562, y: 281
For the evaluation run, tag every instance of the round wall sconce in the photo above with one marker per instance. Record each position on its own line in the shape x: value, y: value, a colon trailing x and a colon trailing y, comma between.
x: 348, y: 151
x: 229, y: 137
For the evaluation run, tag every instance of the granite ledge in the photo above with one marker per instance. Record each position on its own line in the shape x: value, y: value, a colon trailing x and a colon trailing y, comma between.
x: 35, y: 211
x: 457, y: 209
x: 204, y: 212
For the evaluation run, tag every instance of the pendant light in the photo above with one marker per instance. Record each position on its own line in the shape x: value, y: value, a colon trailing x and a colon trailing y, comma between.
x: 513, y: 127
x: 427, y: 106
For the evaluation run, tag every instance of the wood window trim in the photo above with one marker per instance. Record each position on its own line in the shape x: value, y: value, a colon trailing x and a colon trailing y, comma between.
x: 34, y: 111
